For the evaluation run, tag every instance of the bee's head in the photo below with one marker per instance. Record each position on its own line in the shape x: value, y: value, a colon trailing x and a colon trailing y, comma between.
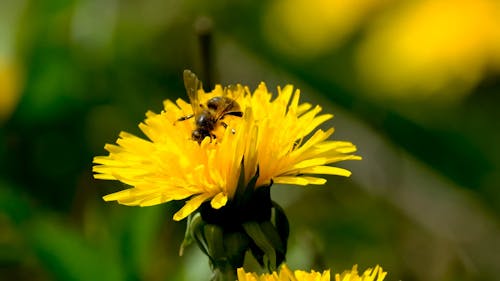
x: 199, y: 134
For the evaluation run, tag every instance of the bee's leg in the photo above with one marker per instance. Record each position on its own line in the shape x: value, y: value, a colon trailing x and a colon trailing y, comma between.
x: 212, y: 137
x: 186, y: 117
x: 225, y: 127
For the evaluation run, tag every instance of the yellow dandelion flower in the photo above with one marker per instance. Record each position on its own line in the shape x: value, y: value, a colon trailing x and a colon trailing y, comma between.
x: 285, y: 274
x: 276, y: 139
x: 371, y: 274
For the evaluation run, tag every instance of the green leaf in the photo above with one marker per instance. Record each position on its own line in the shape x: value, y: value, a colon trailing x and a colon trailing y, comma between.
x: 138, y: 235
x: 13, y: 203
x: 68, y: 256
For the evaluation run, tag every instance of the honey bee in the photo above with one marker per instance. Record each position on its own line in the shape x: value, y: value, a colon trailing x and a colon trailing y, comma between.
x: 207, y: 117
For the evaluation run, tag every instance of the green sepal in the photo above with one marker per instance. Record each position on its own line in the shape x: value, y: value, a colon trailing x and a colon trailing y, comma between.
x: 214, y: 239
x: 282, y: 226
x: 236, y: 244
x: 197, y: 231
x: 188, y: 237
x: 258, y: 236
x: 278, y: 244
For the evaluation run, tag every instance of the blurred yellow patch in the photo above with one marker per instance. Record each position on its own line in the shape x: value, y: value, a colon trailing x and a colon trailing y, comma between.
x: 432, y: 47
x: 10, y: 87
x: 306, y: 28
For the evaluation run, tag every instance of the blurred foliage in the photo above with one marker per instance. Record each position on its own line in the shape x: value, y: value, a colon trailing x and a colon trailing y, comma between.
x: 414, y: 84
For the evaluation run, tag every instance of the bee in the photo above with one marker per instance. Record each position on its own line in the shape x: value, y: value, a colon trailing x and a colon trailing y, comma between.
x: 207, y: 117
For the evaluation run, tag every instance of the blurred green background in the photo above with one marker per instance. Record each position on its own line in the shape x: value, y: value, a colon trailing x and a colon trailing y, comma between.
x: 414, y: 84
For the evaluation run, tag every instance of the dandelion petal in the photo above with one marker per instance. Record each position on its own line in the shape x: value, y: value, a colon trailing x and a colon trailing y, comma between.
x: 219, y: 201
x: 190, y: 206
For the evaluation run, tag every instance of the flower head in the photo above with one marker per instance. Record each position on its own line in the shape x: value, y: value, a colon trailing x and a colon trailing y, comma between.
x: 285, y: 274
x: 276, y: 139
x: 371, y: 274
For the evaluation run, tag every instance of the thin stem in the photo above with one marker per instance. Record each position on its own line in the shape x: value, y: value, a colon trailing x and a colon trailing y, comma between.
x: 204, y: 27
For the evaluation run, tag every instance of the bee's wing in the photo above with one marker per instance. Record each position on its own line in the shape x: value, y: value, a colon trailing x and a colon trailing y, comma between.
x: 234, y: 92
x: 192, y: 85
x: 230, y: 105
